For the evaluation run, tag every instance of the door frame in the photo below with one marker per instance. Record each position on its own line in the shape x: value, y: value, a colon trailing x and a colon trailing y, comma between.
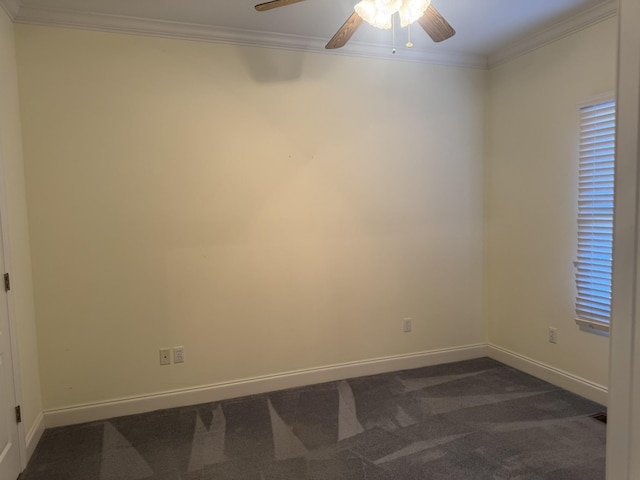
x: 13, y: 336
x: 623, y: 434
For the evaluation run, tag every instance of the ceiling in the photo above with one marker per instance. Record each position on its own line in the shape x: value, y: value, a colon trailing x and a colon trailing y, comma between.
x: 487, y: 30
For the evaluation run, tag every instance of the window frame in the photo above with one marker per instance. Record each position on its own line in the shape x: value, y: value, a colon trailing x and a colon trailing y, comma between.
x: 590, y: 324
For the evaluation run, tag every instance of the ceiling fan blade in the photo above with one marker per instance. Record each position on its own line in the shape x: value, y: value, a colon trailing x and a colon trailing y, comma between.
x: 347, y: 30
x: 435, y: 25
x: 275, y: 4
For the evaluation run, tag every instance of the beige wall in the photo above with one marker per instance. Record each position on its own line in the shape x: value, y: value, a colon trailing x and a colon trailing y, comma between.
x: 16, y: 216
x: 531, y: 191
x: 274, y: 211
x: 269, y: 210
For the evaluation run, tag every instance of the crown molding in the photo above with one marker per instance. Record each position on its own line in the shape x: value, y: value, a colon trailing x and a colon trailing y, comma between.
x: 554, y: 32
x: 214, y: 34
x: 206, y: 33
x: 11, y: 7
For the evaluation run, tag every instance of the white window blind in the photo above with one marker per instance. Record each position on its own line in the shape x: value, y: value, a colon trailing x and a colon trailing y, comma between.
x: 595, y: 214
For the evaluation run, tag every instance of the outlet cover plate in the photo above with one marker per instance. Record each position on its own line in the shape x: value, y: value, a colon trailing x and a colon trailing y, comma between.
x: 407, y: 325
x: 178, y: 354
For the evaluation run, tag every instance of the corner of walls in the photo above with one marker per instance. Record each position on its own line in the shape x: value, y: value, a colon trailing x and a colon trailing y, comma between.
x: 486, y: 185
x: 10, y: 7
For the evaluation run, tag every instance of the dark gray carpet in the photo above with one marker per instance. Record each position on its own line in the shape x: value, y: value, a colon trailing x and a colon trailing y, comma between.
x: 473, y: 420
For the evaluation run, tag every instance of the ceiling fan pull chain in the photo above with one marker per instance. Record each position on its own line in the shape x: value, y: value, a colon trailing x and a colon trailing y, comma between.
x: 409, y: 44
x: 393, y: 33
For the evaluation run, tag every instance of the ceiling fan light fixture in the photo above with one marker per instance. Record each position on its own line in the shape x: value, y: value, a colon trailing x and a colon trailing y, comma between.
x: 375, y: 13
x: 379, y: 13
x: 412, y: 10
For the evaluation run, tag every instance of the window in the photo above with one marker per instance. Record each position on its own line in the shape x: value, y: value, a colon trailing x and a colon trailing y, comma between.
x: 595, y: 215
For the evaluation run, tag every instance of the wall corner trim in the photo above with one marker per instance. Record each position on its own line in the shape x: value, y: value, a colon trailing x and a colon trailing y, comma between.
x: 568, y: 381
x: 252, y: 386
x: 34, y: 435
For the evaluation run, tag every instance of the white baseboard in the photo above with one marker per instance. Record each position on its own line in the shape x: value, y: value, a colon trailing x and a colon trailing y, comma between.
x: 252, y: 386
x: 34, y: 435
x: 573, y: 383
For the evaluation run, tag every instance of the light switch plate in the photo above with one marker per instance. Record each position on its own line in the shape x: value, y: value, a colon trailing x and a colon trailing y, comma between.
x: 165, y: 356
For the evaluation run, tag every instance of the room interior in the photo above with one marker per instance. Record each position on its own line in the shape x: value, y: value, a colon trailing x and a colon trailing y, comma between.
x: 279, y: 213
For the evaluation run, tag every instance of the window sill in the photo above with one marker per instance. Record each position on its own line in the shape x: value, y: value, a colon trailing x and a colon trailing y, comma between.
x: 593, y: 327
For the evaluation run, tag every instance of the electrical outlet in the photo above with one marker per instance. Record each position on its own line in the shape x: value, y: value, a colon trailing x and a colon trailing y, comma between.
x: 165, y: 356
x: 553, y: 335
x: 178, y: 354
x: 406, y: 325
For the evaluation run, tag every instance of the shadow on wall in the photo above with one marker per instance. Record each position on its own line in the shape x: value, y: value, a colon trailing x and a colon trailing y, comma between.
x: 266, y: 65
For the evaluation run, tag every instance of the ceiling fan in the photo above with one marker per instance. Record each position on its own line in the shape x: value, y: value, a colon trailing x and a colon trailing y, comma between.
x: 427, y: 16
